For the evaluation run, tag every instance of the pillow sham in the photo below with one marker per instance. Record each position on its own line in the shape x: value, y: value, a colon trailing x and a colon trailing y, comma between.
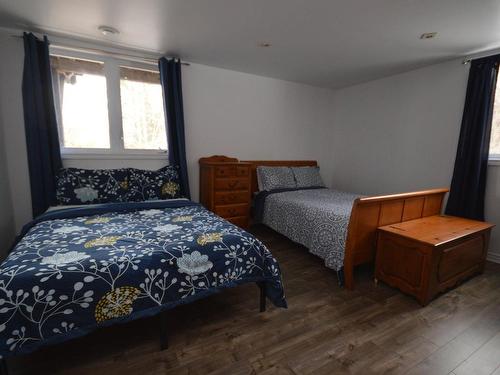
x: 307, y: 177
x: 271, y: 178
x: 76, y: 186
x: 153, y: 185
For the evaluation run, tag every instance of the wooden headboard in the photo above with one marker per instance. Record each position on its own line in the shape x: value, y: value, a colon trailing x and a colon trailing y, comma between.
x: 274, y: 163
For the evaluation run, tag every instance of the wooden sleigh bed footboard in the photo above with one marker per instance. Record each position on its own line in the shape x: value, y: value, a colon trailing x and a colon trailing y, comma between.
x: 372, y: 212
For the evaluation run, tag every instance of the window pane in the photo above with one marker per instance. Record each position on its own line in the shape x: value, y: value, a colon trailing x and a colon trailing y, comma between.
x: 81, y: 89
x: 142, y: 110
x: 495, y: 128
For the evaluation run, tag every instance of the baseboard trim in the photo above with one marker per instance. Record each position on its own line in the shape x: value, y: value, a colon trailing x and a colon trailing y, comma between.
x: 493, y: 257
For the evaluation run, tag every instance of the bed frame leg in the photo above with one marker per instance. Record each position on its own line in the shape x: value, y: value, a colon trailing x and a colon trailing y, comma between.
x: 348, y: 278
x: 340, y: 277
x: 163, y: 331
x: 3, y: 367
x: 262, y: 288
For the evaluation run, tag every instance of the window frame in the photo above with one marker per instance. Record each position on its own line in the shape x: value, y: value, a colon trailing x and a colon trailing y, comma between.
x: 494, y: 159
x: 117, y: 151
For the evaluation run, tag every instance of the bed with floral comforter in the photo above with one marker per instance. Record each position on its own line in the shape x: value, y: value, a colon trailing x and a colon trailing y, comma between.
x: 77, y: 269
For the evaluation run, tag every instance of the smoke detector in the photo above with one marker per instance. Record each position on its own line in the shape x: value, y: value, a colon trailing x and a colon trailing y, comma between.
x: 428, y: 35
x: 107, y: 30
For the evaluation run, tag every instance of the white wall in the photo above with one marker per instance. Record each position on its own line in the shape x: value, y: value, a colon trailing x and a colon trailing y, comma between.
x: 401, y: 133
x: 226, y: 112
x: 12, y: 119
x: 492, y: 210
x: 6, y: 212
x: 253, y: 117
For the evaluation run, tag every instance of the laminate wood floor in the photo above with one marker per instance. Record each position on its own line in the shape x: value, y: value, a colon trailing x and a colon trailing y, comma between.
x: 325, y: 330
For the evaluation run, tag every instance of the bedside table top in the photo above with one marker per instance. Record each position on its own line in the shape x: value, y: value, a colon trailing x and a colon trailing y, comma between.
x: 436, y: 230
x: 222, y: 160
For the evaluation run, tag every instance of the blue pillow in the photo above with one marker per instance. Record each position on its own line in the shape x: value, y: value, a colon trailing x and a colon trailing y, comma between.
x: 89, y: 186
x: 153, y: 185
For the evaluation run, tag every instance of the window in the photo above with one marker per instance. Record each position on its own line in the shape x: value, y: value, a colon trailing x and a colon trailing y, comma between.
x: 108, y: 106
x: 83, y: 102
x: 142, y: 110
x: 495, y: 127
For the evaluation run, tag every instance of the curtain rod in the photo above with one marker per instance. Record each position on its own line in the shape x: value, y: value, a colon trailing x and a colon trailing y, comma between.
x: 100, y: 51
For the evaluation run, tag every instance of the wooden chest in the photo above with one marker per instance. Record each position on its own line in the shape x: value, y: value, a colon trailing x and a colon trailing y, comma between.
x: 424, y: 257
x: 225, y: 188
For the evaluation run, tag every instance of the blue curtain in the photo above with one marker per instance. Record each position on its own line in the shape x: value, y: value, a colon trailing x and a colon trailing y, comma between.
x: 471, y: 164
x: 170, y: 77
x: 42, y: 141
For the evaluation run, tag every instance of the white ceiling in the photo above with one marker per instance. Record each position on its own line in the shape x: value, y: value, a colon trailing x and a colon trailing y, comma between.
x: 330, y: 43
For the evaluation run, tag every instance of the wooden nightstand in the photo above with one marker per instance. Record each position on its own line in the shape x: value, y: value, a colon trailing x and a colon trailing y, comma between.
x: 225, y: 188
x: 424, y: 257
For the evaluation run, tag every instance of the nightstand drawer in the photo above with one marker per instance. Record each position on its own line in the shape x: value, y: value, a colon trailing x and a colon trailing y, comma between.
x: 240, y: 221
x: 232, y: 183
x: 231, y: 171
x: 230, y: 197
x: 232, y: 210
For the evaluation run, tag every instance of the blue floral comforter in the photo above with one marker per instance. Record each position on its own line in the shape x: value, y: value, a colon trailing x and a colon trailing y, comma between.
x: 77, y: 269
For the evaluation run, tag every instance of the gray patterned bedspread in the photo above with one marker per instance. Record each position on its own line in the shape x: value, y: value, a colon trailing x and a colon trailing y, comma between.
x: 317, y: 219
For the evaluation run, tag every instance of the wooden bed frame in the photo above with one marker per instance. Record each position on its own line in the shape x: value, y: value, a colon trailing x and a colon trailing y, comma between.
x: 368, y: 214
x: 4, y: 370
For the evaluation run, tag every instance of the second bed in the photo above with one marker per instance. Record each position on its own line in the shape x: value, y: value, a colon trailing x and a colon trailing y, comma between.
x: 339, y: 227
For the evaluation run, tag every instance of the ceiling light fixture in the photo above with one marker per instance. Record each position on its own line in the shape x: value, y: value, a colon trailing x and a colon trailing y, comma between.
x: 264, y: 44
x: 107, y: 30
x: 428, y: 35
